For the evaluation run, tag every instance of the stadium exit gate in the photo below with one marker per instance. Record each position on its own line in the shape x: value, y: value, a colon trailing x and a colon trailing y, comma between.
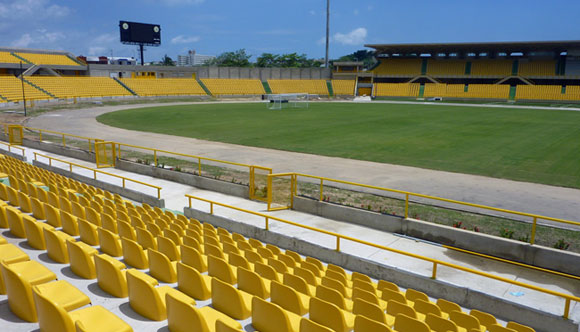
x: 105, y: 154
x: 15, y: 134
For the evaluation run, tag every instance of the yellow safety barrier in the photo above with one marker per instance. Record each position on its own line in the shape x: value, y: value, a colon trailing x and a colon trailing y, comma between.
x: 96, y: 171
x: 251, y: 168
x: 435, y: 262
x: 10, y: 147
x: 409, y: 194
x: 89, y: 140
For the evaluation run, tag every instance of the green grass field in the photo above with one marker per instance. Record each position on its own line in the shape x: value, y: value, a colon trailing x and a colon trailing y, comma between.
x: 541, y: 146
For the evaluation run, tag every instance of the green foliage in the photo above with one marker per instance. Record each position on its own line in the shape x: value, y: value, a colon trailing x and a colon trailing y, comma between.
x: 367, y: 57
x: 237, y: 58
x: 291, y: 60
x: 167, y: 61
x: 562, y: 245
x: 507, y: 233
x: 531, y: 145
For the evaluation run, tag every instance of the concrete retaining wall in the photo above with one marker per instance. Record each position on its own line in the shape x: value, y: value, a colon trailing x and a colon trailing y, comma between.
x: 185, y: 178
x: 60, y: 150
x: 128, y: 193
x: 541, y: 321
x: 13, y: 155
x: 549, y: 258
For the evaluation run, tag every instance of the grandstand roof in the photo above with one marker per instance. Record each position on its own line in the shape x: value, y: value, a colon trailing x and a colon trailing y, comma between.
x: 508, y: 47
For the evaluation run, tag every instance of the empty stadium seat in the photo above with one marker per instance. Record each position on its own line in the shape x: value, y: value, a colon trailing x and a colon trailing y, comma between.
x: 230, y: 301
x: 269, y: 317
x: 111, y: 275
x: 145, y: 298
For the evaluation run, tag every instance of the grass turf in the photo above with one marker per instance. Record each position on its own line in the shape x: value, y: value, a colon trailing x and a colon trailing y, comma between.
x: 530, y: 145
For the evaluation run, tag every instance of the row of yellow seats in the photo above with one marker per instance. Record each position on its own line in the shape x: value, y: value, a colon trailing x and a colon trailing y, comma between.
x: 11, y: 89
x: 234, y: 86
x: 446, y: 67
x: 547, y: 92
x: 537, y: 68
x: 67, y: 87
x: 317, y: 87
x: 473, y: 91
x: 48, y: 59
x: 491, y: 67
x: 343, y: 87
x: 164, y: 86
x: 6, y: 57
x: 398, y: 67
x: 396, y: 89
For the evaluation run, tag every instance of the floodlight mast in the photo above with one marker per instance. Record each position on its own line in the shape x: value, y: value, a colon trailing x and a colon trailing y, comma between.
x: 327, y: 32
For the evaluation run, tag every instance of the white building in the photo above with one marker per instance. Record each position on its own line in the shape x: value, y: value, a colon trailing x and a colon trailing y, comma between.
x: 193, y: 59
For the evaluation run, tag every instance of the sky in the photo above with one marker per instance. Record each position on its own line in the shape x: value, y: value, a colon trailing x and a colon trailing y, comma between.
x: 211, y: 27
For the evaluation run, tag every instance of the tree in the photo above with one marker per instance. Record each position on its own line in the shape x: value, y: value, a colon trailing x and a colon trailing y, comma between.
x: 367, y: 57
x: 237, y: 58
x: 167, y: 61
x: 290, y: 60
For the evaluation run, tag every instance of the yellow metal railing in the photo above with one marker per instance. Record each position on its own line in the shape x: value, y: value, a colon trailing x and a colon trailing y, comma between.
x: 436, y: 262
x: 96, y: 171
x: 10, y: 147
x: 409, y: 195
x: 63, y: 136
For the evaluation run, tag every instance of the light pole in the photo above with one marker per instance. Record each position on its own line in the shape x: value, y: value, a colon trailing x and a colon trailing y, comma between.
x: 22, y: 84
x: 327, y: 32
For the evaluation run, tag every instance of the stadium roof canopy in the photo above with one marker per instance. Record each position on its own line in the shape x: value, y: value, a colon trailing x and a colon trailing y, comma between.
x: 463, y: 48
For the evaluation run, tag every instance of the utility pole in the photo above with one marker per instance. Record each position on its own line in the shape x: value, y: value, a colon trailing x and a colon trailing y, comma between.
x: 327, y: 32
x: 22, y: 84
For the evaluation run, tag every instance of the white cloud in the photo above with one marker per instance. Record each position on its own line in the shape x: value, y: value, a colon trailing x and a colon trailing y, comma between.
x: 37, y: 9
x: 355, y: 37
x: 38, y: 38
x: 181, y: 39
x: 355, y: 12
x: 97, y: 50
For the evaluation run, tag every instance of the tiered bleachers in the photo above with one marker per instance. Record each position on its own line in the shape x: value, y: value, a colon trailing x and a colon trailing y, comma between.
x: 48, y: 59
x: 489, y: 91
x: 234, y: 86
x: 243, y: 277
x: 408, y: 67
x: 441, y: 67
x: 164, y: 86
x: 11, y: 89
x: 537, y: 68
x: 541, y: 92
x: 343, y: 87
x: 397, y: 90
x: 79, y: 87
x: 317, y: 87
x: 6, y: 57
x: 491, y: 67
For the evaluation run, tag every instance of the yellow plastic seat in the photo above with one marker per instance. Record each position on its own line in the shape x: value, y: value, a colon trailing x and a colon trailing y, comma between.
x: 369, y: 310
x: 269, y: 317
x: 341, y: 277
x: 19, y: 279
x: 35, y: 232
x: 93, y: 216
x: 413, y: 295
x: 267, y: 272
x: 439, y: 324
x: 265, y: 253
x: 230, y: 301
x: 77, y: 210
x: 134, y: 255
x: 307, y: 275
x: 220, y: 269
x: 193, y: 258
x: 63, y: 294
x: 423, y: 308
x: 279, y: 266
x: 363, y: 277
x: 183, y: 316
x: 211, y: 250
x: 81, y: 258
x: 334, y: 284
x: 12, y: 195
x: 111, y: 275
x: 110, y: 243
x: 390, y: 295
x: 88, y: 232
x: 145, y: 238
x: 14, y: 217
x: 312, y: 268
x: 37, y: 208
x: 499, y: 328
x: 191, y: 282
x: 486, y: 320
x: 298, y: 284
x: 126, y: 230
x: 109, y: 223
x: 289, y: 299
x: 330, y: 315
x: 53, y: 317
x: 70, y: 224
x: 371, y: 297
x: 173, y: 235
x: 447, y: 306
x: 364, y: 324
x: 306, y: 325
x: 52, y: 215
x: 239, y: 261
x: 519, y: 327
x: 404, y: 323
x: 3, y: 240
x: 250, y: 282
x: 3, y: 218
x: 161, y: 268
x: 395, y: 308
x: 220, y: 326
x: 145, y: 298
x: 465, y: 322
x: 383, y: 284
x: 168, y: 248
x: 24, y: 202
x: 56, y: 247
x: 334, y: 297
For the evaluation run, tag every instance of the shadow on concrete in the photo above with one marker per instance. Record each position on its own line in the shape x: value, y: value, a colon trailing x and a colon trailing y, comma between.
x: 164, y: 329
x: 126, y: 309
x: 44, y: 257
x: 7, y: 315
x: 70, y: 274
x: 95, y: 289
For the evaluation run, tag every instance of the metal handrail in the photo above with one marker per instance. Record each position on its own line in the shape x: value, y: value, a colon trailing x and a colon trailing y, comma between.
x: 435, y: 262
x: 10, y: 147
x: 95, y: 171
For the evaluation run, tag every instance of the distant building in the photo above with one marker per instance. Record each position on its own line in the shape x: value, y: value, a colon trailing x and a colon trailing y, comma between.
x: 107, y: 60
x: 193, y: 59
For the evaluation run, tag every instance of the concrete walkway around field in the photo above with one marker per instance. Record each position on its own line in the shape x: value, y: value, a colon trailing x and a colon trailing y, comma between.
x: 174, y: 195
x: 534, y: 198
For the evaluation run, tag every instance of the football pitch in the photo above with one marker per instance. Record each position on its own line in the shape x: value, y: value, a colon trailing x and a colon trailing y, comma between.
x: 541, y: 146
